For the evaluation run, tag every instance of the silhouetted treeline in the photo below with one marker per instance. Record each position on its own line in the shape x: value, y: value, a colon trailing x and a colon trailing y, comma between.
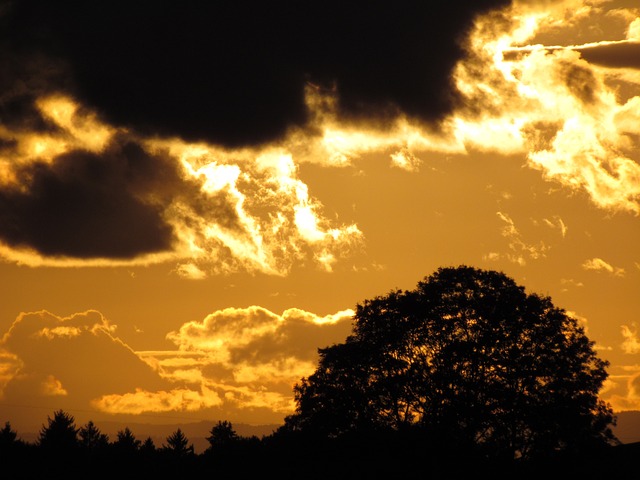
x: 64, y: 450
x: 467, y: 375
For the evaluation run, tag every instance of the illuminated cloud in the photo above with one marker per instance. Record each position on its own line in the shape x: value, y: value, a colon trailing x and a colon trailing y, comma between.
x: 249, y: 398
x: 633, y: 32
x: 230, y: 333
x: 138, y: 202
x: 622, y: 389
x: 113, y: 174
x: 620, y: 54
x: 233, y: 361
x: 249, y: 356
x: 142, y: 401
x: 599, y: 264
x: 631, y: 344
x: 10, y: 365
x: 405, y: 160
x: 63, y: 331
x: 570, y: 282
x: 550, y: 102
x: 558, y: 223
x: 190, y: 270
x: 47, y: 326
x: 582, y: 320
x: 53, y: 387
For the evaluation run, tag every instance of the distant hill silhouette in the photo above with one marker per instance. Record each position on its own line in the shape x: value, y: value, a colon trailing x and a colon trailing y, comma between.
x: 628, y: 428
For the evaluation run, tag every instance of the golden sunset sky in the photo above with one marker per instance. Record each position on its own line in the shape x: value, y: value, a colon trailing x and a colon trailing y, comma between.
x: 193, y: 200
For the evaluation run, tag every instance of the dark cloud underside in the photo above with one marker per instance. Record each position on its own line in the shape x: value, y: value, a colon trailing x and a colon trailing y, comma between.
x: 234, y: 72
x: 580, y: 81
x: 86, y: 205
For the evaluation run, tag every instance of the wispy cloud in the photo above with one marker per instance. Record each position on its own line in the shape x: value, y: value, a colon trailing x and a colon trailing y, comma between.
x: 570, y: 282
x: 556, y: 222
x: 405, y: 160
x: 519, y: 250
x: 598, y: 264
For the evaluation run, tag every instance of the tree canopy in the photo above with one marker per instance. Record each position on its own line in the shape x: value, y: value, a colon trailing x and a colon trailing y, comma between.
x: 60, y: 433
x: 126, y: 441
x: 222, y: 435
x: 469, y: 357
x: 8, y: 436
x: 91, y: 437
x: 178, y: 444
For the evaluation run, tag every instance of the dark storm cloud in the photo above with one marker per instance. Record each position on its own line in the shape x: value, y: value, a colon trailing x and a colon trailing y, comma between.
x: 234, y: 72
x: 615, y: 55
x: 88, y: 205
x: 25, y: 75
x: 23, y: 79
x: 19, y: 113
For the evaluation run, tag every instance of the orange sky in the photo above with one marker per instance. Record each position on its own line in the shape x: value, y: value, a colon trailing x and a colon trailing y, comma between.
x: 535, y: 173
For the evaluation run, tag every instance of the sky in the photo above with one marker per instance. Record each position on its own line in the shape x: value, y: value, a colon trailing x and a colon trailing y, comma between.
x: 194, y: 199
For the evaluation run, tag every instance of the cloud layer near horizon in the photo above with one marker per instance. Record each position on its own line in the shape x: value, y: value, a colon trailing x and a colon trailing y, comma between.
x: 235, y: 361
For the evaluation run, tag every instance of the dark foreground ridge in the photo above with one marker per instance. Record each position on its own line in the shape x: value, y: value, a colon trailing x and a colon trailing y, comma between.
x: 381, y: 455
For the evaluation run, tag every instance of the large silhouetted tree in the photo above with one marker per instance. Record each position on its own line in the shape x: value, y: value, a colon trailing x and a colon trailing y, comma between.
x: 469, y: 358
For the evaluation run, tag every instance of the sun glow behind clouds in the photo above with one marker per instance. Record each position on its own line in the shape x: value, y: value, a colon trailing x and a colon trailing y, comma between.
x: 248, y: 209
x: 228, y: 211
x: 547, y: 103
x: 556, y: 106
x: 274, y: 217
x: 77, y: 129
